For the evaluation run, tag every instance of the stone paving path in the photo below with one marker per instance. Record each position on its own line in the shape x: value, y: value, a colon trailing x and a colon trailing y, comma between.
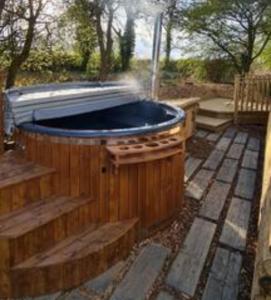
x: 224, y: 182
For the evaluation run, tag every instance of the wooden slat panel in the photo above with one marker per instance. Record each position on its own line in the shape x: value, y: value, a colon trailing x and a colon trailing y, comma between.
x: 127, y: 191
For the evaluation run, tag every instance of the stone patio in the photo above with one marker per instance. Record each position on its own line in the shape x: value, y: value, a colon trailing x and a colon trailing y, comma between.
x: 224, y: 184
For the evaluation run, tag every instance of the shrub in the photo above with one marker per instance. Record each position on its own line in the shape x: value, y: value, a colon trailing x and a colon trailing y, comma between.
x: 217, y: 70
x: 41, y: 60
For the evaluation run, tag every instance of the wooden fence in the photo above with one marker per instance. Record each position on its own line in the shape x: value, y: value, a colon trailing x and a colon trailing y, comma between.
x: 261, y: 288
x: 252, y: 94
x: 1, y: 113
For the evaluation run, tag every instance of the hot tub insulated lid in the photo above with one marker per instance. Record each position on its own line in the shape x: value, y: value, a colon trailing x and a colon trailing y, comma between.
x: 42, y: 102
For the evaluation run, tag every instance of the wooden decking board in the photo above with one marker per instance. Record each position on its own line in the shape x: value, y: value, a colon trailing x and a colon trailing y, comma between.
x: 14, y: 169
x: 215, y: 200
x: 197, y: 187
x: 213, y: 137
x: 223, y: 144
x: 186, y: 269
x: 228, y: 170
x: 214, y: 160
x: 253, y: 144
x: 250, y: 160
x: 241, y: 138
x: 236, y: 151
x: 223, y: 280
x: 142, y: 274
x: 5, y: 218
x: 191, y: 165
x: 246, y: 184
x: 234, y: 233
x: 31, y: 219
x: 230, y: 133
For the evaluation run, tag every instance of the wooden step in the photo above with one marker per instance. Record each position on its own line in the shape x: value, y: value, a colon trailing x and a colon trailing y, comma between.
x: 212, y: 124
x: 39, y: 226
x: 22, y: 182
x: 215, y: 114
x: 217, y: 108
x: 72, y: 261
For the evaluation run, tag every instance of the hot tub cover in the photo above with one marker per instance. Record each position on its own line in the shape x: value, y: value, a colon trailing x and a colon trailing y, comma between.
x: 43, y: 102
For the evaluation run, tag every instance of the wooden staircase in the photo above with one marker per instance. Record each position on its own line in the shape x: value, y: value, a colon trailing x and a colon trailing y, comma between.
x: 47, y: 241
x: 215, y: 114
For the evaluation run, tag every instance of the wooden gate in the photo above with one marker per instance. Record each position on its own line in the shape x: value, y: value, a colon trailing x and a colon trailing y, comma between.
x: 252, y: 94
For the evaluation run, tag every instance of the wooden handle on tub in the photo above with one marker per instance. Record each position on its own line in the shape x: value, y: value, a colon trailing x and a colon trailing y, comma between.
x: 144, y: 152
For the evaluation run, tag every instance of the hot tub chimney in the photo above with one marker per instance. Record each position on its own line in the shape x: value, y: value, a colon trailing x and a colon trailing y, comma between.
x: 156, y: 56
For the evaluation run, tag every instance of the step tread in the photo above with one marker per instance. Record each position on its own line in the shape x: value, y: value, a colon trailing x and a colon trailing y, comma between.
x: 218, y: 105
x: 37, y: 214
x: 79, y: 245
x: 15, y: 169
x: 216, y: 122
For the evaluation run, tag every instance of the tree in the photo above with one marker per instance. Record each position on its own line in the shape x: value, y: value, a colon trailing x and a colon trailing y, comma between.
x: 127, y: 38
x: 2, y: 5
x: 102, y: 13
x: 22, y: 19
x: 240, y: 29
x: 85, y: 34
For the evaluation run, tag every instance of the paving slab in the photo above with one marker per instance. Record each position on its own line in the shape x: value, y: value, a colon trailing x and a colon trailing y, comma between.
x: 213, y: 137
x: 142, y: 274
x: 228, y: 170
x: 185, y: 271
x: 246, y: 184
x: 201, y: 134
x: 234, y: 232
x: 223, y: 280
x: 241, y: 138
x: 100, y: 284
x: 236, y: 151
x: 230, y: 133
x: 191, y: 165
x: 223, y: 144
x: 198, y: 185
x: 164, y: 296
x: 214, y: 160
x: 250, y: 160
x: 254, y: 144
x: 215, y: 200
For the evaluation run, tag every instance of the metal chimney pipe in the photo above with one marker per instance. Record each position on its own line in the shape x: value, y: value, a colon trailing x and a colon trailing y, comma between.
x: 156, y: 56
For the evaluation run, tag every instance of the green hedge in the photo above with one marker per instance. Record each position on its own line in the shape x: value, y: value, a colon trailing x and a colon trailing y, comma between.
x: 51, y: 60
x: 217, y: 70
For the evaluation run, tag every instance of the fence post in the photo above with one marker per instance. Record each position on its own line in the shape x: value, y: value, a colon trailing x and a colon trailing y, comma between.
x: 1, y: 113
x: 237, y: 86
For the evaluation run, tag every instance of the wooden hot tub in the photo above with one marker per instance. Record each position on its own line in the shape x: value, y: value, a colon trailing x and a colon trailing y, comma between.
x: 129, y: 159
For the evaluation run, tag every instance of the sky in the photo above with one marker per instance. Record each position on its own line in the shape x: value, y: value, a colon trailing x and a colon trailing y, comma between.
x: 144, y: 41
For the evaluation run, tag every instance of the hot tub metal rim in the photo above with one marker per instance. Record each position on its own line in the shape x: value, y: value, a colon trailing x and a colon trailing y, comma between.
x: 51, y: 131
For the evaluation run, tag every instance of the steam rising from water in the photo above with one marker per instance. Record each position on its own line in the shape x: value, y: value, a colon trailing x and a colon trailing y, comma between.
x: 150, y: 7
x: 141, y: 82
